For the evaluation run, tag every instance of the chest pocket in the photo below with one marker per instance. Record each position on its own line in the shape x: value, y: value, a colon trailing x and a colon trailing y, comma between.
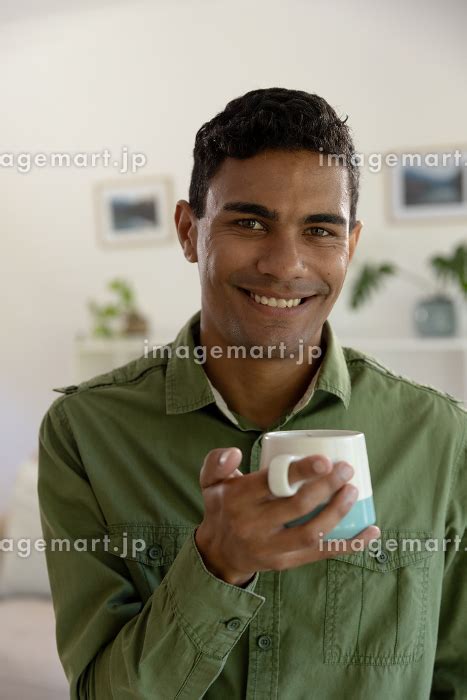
x: 148, y: 550
x: 376, y: 602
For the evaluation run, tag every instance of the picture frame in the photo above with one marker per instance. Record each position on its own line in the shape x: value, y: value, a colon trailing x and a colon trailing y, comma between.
x: 134, y: 212
x: 434, y: 186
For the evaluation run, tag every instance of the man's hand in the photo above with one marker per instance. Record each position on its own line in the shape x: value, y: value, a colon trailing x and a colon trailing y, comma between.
x: 243, y: 531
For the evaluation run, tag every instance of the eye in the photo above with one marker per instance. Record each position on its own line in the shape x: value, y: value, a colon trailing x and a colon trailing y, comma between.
x: 250, y: 224
x: 322, y: 233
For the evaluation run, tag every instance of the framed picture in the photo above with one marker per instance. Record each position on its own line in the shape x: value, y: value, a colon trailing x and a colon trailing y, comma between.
x: 429, y: 184
x: 134, y: 212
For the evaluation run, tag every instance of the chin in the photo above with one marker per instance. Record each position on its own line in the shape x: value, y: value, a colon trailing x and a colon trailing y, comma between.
x: 275, y: 337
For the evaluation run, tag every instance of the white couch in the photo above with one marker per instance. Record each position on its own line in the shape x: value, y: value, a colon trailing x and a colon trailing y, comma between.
x: 30, y: 668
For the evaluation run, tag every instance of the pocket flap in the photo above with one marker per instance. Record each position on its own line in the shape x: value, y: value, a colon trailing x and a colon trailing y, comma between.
x: 394, y: 549
x: 154, y: 545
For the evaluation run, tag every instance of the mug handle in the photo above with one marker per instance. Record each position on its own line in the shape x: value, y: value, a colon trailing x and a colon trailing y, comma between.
x: 278, y: 476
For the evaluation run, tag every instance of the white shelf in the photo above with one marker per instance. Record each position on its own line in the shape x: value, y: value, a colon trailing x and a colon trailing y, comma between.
x: 94, y: 356
x: 410, y: 344
x: 105, y: 345
x: 438, y: 362
x: 122, y: 343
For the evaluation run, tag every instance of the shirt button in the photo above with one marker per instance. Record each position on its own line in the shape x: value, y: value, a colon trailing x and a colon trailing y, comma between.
x: 155, y: 551
x: 382, y: 557
x: 233, y: 624
x: 264, y: 641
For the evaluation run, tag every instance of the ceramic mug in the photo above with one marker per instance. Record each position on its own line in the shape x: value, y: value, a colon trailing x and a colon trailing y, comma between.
x: 280, y: 448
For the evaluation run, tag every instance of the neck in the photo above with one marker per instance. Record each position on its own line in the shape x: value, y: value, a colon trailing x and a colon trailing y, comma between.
x: 260, y: 390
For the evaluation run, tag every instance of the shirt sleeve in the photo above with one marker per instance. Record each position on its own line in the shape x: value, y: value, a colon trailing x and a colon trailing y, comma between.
x: 112, y: 645
x: 450, y: 669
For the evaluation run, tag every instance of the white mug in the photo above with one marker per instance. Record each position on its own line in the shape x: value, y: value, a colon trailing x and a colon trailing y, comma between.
x: 280, y: 448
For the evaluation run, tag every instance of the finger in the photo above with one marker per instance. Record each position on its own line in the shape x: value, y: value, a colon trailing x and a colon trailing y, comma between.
x: 308, y: 468
x: 310, y: 495
x: 312, y: 532
x: 220, y: 464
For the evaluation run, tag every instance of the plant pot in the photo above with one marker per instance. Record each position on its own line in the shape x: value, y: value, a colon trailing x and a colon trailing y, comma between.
x: 435, y: 317
x: 135, y: 324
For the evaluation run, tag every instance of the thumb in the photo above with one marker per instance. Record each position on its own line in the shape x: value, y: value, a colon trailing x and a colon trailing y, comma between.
x: 219, y: 465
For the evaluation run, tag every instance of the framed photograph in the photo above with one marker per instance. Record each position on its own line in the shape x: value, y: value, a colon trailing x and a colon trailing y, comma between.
x: 134, y: 212
x: 429, y: 184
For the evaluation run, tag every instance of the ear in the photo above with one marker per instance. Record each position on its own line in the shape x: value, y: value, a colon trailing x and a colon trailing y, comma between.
x: 187, y: 231
x: 353, y: 238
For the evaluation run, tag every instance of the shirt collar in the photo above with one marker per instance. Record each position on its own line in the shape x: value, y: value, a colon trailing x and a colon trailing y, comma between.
x: 188, y: 387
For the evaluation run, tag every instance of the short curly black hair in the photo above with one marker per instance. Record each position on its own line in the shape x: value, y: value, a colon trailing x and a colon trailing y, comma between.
x: 270, y: 118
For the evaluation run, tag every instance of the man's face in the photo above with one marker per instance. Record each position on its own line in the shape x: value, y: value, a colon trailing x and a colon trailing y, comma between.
x: 276, y: 226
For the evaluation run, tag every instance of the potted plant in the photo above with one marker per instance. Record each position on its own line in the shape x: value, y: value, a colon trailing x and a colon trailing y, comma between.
x: 119, y: 317
x: 434, y: 315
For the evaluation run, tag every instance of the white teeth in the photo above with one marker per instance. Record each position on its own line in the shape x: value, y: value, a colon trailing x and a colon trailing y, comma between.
x: 272, y: 301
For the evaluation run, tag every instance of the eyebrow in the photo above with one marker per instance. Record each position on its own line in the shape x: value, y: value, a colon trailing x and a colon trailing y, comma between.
x: 273, y: 214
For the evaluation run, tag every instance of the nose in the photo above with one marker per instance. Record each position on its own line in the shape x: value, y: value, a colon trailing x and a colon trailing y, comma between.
x: 281, y: 257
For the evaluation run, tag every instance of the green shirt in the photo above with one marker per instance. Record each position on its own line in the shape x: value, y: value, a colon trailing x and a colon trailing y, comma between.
x: 139, y: 616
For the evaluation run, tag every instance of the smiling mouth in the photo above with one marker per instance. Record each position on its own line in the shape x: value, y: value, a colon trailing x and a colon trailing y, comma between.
x: 275, y: 302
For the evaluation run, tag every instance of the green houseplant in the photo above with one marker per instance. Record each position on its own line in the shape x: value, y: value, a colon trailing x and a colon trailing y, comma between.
x: 434, y: 315
x: 118, y: 317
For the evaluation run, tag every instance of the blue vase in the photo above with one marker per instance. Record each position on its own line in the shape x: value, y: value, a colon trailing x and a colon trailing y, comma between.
x: 435, y: 317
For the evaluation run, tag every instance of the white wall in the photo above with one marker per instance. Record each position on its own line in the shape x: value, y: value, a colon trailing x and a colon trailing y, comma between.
x: 147, y: 75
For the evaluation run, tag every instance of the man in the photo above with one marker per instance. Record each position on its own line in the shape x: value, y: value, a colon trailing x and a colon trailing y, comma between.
x: 194, y: 588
